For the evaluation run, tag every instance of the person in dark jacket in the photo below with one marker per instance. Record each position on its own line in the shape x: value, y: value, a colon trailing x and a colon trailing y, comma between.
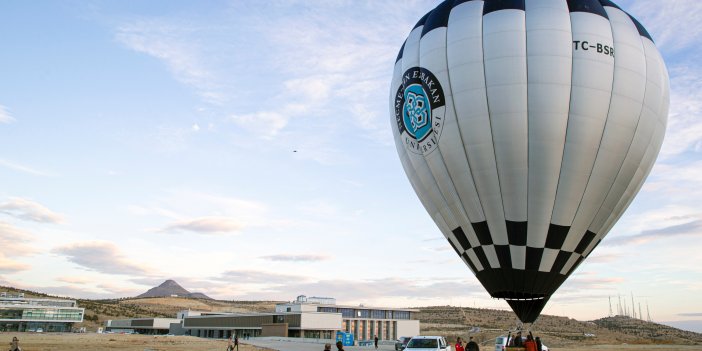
x: 339, y: 346
x: 472, y: 345
x: 517, y: 340
x: 539, y: 346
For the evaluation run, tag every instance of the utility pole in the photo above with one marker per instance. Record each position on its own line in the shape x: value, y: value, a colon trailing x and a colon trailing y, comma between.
x: 610, y: 305
x: 648, y: 312
x: 640, y: 315
x: 633, y: 306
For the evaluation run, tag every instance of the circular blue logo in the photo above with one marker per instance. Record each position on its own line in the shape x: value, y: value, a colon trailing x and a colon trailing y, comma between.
x: 419, y: 110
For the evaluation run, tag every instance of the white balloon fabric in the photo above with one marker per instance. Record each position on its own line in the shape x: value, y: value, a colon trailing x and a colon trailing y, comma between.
x: 526, y: 128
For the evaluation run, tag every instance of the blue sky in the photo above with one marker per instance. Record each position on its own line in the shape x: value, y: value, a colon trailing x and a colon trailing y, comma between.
x: 243, y: 148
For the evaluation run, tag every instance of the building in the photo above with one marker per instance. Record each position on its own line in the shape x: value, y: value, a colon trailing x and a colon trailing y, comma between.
x: 18, y: 313
x: 363, y: 322
x: 317, y: 325
x: 314, y: 317
x: 150, y: 326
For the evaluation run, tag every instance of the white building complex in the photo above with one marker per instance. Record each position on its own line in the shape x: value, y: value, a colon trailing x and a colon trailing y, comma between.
x: 314, y: 317
x: 19, y: 314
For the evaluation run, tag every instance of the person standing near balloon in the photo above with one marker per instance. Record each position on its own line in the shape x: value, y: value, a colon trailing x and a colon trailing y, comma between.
x: 530, y: 344
x: 472, y: 345
x: 459, y: 344
x: 14, y: 345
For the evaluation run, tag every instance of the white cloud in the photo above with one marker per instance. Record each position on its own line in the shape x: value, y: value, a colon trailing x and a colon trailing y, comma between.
x: 5, y: 116
x: 21, y: 168
x: 169, y: 42
x: 673, y: 25
x: 30, y: 211
x: 206, y: 225
x: 684, y: 131
x: 103, y: 257
x: 15, y: 243
x: 8, y: 265
x: 296, y: 258
x: 266, y: 124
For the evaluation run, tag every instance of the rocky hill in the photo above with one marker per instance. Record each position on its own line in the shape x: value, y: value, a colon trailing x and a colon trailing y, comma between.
x: 170, y: 288
x: 486, y: 324
x: 647, y: 330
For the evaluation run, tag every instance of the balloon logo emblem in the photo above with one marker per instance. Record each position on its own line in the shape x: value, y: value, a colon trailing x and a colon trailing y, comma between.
x: 419, y: 110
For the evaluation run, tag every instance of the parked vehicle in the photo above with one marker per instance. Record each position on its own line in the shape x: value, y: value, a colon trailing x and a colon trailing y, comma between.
x: 402, y: 343
x: 428, y: 343
x: 501, y: 343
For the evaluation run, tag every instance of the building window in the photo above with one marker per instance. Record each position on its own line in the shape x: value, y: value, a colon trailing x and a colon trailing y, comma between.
x: 377, y: 314
x: 326, y: 309
x: 346, y: 312
x: 363, y: 313
x: 401, y: 315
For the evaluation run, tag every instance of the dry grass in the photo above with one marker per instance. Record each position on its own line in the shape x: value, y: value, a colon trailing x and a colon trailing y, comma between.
x: 116, y: 342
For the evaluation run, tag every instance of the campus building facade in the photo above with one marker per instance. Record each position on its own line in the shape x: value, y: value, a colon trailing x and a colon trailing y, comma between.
x: 21, y: 314
x: 313, y: 318
x: 363, y: 322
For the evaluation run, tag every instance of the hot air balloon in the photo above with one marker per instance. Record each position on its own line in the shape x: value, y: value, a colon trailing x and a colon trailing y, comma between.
x: 526, y: 128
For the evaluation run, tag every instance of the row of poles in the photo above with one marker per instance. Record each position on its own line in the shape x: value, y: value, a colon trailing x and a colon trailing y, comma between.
x: 624, y: 310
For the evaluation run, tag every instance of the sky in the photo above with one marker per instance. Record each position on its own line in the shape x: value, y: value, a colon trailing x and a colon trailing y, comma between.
x: 244, y: 149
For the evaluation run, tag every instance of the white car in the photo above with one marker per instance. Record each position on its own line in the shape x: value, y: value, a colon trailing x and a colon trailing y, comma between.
x: 428, y: 343
x: 501, y: 343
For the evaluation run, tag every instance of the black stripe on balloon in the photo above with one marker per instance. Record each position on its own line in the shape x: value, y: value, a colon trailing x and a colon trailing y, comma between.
x: 481, y: 257
x: 458, y: 2
x: 590, y: 6
x: 516, y: 233
x: 482, y: 231
x: 497, y: 5
x: 577, y: 263
x: 504, y: 256
x: 454, y: 247
x: 561, y: 261
x: 438, y: 17
x: 533, y: 258
x: 642, y: 31
x: 585, y: 242
x: 402, y: 50
x: 594, y: 247
x: 610, y: 4
x: 469, y: 262
x: 421, y: 21
x: 556, y: 235
x: 461, y: 237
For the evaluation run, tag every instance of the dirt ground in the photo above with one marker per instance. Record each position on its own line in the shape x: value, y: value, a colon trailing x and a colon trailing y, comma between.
x: 114, y: 342
x: 632, y: 348
x: 125, y: 342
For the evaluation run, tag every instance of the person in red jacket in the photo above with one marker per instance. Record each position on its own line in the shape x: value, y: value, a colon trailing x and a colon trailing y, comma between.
x: 530, y: 344
x: 459, y: 344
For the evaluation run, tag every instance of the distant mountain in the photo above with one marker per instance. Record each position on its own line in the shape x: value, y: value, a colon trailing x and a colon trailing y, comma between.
x: 171, y: 288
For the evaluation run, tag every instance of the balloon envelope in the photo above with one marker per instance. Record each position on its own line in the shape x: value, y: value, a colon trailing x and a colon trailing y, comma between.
x: 526, y: 127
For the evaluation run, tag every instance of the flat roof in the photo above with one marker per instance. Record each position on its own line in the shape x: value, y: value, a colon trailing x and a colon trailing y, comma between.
x: 352, y: 306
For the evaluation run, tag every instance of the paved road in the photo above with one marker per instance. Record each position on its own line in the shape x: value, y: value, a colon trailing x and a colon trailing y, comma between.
x: 308, y: 346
